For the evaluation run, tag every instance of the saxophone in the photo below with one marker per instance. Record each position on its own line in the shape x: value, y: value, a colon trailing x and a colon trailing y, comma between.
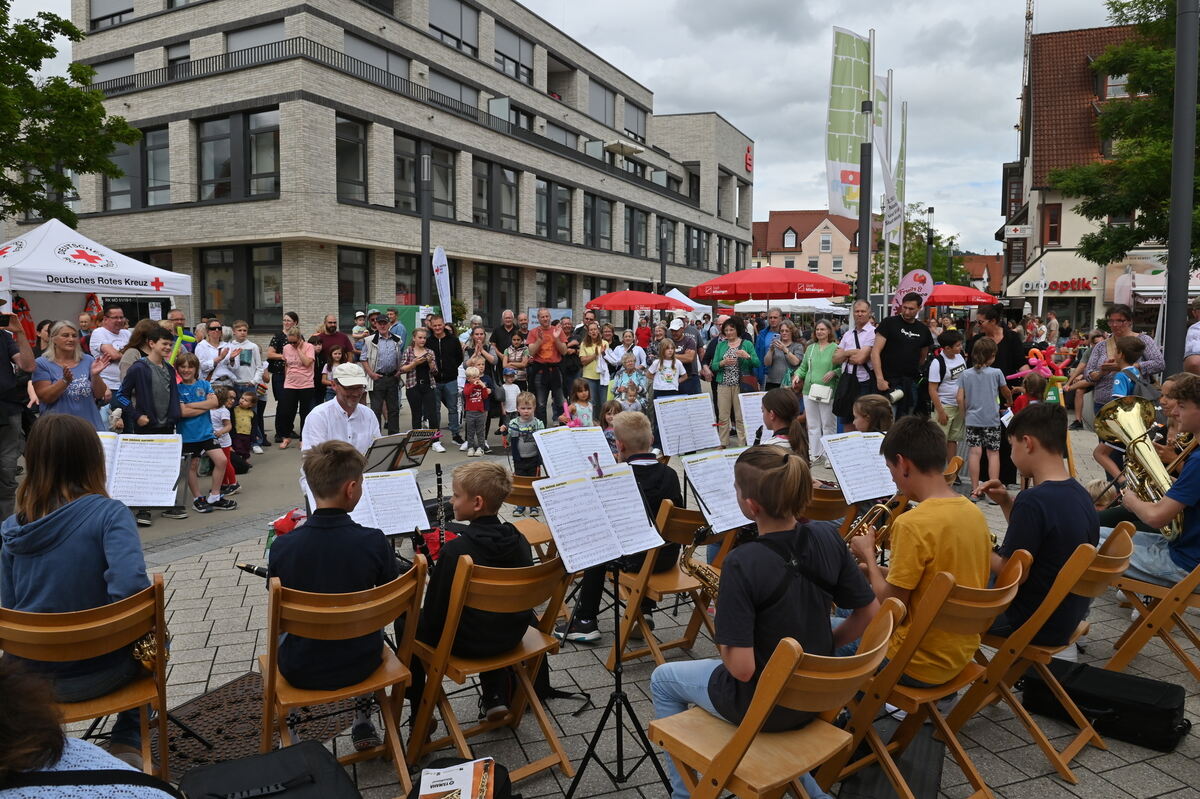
x: 708, y: 577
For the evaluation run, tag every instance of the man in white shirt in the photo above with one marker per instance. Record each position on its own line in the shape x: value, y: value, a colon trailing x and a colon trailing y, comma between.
x: 853, y: 353
x: 214, y: 356
x: 343, y: 418
x: 110, y: 338
x: 1191, y: 346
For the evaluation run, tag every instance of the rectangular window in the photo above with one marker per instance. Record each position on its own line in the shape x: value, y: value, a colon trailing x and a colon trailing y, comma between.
x: 826, y: 242
x: 266, y: 275
x: 789, y: 263
x: 217, y: 280
x: 407, y: 269
x: 562, y: 213
x: 1052, y: 224
x: 635, y: 121
x: 597, y: 222
x: 1115, y: 86
x: 813, y: 265
x: 254, y: 37
x: 156, y: 171
x: 406, y: 172
x: 351, y: 158
x: 635, y: 231
x: 481, y: 192
x: 553, y: 210
x: 562, y: 135
x: 244, y: 283
x: 443, y: 183
x: 352, y: 280
x: 521, y: 119
x: 635, y: 168
x: 697, y: 247
x: 514, y: 55
x: 216, y: 165
x: 481, y: 291
x: 179, y: 57
x: 1016, y: 255
x: 1014, y: 197
x: 114, y: 70
x: 723, y: 245
x: 602, y: 103
x: 543, y: 207
x: 1120, y: 220
x: 555, y: 289
x: 837, y: 265
x: 454, y: 90
x: 386, y: 6
x: 106, y: 13
x: 509, y: 190
x: 666, y: 228
x: 118, y: 192
x: 375, y: 55
x: 456, y: 24
x: 262, y: 132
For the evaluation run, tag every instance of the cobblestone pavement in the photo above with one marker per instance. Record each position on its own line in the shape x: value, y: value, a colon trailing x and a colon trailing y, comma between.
x: 217, y: 616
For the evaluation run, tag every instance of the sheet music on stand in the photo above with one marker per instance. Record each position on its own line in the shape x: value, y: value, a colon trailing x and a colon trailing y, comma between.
x: 391, y: 502
x: 565, y: 450
x: 596, y: 518
x: 711, y: 476
x: 861, y: 470
x: 141, y: 470
x: 686, y: 424
x: 750, y: 407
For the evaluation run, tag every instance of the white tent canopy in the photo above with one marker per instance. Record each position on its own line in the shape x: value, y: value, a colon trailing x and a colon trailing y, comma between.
x: 697, y: 311
x: 52, y: 257
x: 815, y: 305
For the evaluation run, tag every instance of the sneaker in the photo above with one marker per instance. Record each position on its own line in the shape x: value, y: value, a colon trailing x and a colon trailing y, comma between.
x: 256, y: 449
x: 464, y: 447
x: 1075, y: 425
x: 364, y: 736
x: 492, y: 707
x: 583, y: 631
x: 201, y: 505
x: 486, y: 449
x: 222, y: 504
x: 457, y: 438
x: 177, y: 512
x: 635, y: 632
x: 1070, y: 654
x: 518, y: 511
x: 535, y: 512
x: 475, y: 452
x: 144, y: 519
x: 230, y: 489
x: 437, y: 447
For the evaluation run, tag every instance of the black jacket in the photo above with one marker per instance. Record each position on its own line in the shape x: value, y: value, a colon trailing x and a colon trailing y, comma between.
x: 449, y: 354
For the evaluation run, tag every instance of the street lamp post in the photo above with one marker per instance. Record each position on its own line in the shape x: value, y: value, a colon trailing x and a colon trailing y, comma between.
x: 425, y: 279
x: 929, y: 240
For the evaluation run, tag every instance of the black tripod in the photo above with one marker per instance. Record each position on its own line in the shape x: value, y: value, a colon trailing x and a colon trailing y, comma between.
x: 618, y: 705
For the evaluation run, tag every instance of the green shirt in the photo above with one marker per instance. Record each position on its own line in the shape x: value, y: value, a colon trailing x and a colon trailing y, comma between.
x: 818, y: 359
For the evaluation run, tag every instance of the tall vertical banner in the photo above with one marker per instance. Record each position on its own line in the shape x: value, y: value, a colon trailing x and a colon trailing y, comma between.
x: 883, y: 116
x: 846, y: 127
x: 441, y: 279
x: 900, y: 166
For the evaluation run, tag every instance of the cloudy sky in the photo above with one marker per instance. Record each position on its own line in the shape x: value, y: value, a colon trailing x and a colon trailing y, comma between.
x: 764, y: 65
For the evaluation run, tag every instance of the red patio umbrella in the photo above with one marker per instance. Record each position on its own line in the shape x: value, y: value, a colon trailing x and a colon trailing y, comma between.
x: 635, y: 300
x: 947, y: 294
x: 770, y: 283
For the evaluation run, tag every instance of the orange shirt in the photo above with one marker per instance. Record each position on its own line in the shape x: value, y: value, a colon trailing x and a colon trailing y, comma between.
x: 546, y: 352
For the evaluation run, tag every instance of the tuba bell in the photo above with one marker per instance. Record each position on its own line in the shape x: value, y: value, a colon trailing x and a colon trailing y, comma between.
x: 1126, y: 422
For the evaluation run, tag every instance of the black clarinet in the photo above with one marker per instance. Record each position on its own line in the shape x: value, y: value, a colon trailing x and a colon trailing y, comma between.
x: 441, y: 509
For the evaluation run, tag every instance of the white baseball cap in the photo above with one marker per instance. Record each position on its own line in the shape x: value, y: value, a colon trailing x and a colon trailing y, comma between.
x: 677, y: 324
x: 348, y: 374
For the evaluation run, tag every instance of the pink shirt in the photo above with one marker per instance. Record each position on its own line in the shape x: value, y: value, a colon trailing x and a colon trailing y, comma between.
x: 298, y: 375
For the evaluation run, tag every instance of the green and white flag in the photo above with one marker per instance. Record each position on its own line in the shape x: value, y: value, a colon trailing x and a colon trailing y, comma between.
x: 900, y: 166
x: 883, y: 116
x: 846, y: 127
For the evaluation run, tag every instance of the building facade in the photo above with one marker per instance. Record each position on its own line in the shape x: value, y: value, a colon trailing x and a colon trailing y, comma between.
x: 815, y: 241
x: 1042, y: 264
x: 284, y: 147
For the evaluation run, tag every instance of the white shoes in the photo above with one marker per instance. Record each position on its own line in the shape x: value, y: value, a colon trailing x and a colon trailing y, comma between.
x: 256, y: 449
x: 437, y: 447
x: 464, y: 447
x: 474, y: 452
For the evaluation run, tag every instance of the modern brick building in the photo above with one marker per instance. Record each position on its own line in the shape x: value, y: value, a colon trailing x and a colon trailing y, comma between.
x: 283, y: 146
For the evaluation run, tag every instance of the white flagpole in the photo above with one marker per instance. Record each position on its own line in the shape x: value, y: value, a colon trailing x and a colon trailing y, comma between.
x: 887, y: 262
x: 903, y: 200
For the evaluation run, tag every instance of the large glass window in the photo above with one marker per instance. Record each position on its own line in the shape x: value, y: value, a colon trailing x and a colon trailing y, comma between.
x: 106, y: 13
x: 635, y: 121
x: 351, y: 159
x: 1052, y: 224
x: 597, y: 222
x: 239, y: 155
x: 406, y: 172
x: 262, y: 129
x: 114, y: 69
x: 456, y: 24
x: 443, y: 183
x: 216, y: 165
x: 554, y: 289
x: 602, y: 103
x: 352, y: 280
x: 509, y: 191
x: 375, y: 55
x: 697, y: 247
x: 118, y: 192
x: 481, y: 192
x: 514, y: 55
x: 157, y: 172
x: 266, y: 275
x: 520, y: 118
x: 635, y: 231
x: 543, y: 207
x: 553, y: 210
x: 453, y: 89
x: 723, y: 246
x: 407, y: 269
x: 562, y: 213
x: 255, y: 36
x: 666, y: 228
x: 494, y: 289
x: 562, y: 135
x: 216, y: 278
x: 244, y: 283
x: 480, y: 291
x: 179, y: 57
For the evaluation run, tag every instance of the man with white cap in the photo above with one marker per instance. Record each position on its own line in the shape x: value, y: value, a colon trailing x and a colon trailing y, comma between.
x: 685, y: 351
x: 343, y: 418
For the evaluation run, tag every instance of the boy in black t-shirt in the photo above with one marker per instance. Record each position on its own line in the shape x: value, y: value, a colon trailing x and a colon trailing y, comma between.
x: 332, y: 554
x: 763, y: 600
x: 901, y: 344
x: 1049, y: 520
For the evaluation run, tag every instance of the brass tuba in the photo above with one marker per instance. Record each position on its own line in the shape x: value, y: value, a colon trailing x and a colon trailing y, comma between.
x: 880, y: 517
x: 1126, y: 422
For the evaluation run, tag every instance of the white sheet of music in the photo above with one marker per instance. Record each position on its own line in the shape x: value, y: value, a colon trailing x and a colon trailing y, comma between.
x: 711, y: 475
x: 108, y: 442
x: 626, y: 509
x: 861, y: 470
x: 565, y: 450
x: 686, y: 423
x: 391, y: 501
x: 571, y: 506
x: 144, y: 470
x: 750, y: 407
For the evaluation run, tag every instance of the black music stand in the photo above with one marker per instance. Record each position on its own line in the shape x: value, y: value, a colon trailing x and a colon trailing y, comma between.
x: 401, y: 451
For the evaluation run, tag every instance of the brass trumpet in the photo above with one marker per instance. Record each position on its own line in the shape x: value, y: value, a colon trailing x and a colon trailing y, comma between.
x: 880, y: 517
x: 1126, y: 422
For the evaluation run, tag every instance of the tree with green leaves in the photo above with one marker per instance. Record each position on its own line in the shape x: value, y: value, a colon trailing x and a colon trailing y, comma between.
x: 946, y: 268
x: 50, y: 127
x: 1136, y: 181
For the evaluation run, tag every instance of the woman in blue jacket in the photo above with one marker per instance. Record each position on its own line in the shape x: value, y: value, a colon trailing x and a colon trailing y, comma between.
x: 69, y: 547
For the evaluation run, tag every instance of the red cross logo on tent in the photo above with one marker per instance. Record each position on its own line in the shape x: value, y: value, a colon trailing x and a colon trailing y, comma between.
x: 83, y: 255
x: 157, y: 283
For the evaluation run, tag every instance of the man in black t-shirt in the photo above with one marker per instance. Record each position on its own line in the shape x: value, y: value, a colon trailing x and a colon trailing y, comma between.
x: 901, y: 344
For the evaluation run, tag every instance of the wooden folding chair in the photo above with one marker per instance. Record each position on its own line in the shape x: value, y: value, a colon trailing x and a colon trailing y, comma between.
x: 950, y: 608
x: 827, y: 504
x: 676, y: 526
x: 951, y: 473
x: 750, y: 763
x: 502, y: 591
x: 1160, y: 608
x: 1086, y: 573
x: 83, y: 634
x: 337, y: 617
x: 535, y: 531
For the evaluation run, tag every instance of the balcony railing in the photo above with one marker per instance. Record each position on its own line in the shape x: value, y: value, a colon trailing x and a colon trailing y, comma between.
x: 309, y: 50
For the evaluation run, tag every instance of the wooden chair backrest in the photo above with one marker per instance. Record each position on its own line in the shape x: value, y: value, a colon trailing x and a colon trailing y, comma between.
x: 951, y: 473
x: 522, y: 492
x: 1064, y: 583
x: 679, y: 525
x: 971, y: 611
x: 82, y: 634
x: 826, y: 504
x: 1109, y: 564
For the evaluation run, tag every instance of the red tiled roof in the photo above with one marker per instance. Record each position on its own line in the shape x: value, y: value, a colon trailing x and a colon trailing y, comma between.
x: 760, y: 237
x: 1063, y: 91
x: 993, y: 265
x: 804, y: 223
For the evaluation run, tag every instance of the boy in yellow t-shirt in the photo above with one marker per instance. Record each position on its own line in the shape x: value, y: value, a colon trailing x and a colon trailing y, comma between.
x: 945, y: 532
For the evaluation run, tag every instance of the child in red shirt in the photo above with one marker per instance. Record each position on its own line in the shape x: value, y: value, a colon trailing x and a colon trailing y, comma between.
x: 475, y: 399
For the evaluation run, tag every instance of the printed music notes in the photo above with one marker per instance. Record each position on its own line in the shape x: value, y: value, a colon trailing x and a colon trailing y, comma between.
x: 750, y: 407
x: 391, y: 501
x: 861, y: 471
x: 142, y: 470
x: 565, y: 450
x: 595, y: 519
x: 711, y: 476
x: 686, y: 423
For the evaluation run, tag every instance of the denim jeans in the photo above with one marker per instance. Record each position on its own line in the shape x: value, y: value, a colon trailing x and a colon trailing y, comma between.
x: 1151, y: 558
x: 674, y: 686
x: 10, y: 451
x: 447, y: 394
x: 546, y: 380
x: 126, y: 728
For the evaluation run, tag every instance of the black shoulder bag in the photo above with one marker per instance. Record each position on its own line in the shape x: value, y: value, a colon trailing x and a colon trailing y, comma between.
x: 847, y: 389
